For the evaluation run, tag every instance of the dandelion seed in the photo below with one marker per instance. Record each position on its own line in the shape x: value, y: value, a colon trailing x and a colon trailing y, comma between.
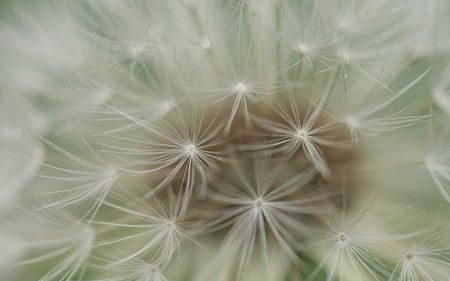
x: 134, y: 269
x: 91, y: 180
x: 261, y: 210
x: 364, y: 121
x: 59, y: 238
x: 348, y: 251
x: 160, y: 229
x: 427, y: 259
x: 297, y: 131
x: 176, y: 149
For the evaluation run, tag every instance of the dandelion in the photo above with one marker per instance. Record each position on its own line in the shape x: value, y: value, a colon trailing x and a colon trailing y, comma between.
x: 224, y: 140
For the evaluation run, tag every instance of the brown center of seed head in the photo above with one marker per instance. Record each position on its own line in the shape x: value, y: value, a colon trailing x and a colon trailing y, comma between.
x: 250, y: 141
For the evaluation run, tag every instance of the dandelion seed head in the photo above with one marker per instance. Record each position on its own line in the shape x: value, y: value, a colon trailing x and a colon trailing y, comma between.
x: 226, y: 127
